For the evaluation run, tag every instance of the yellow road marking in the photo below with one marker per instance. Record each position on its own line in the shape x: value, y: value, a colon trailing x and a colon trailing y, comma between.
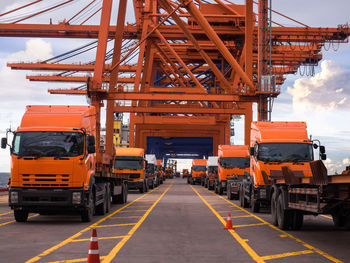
x: 324, y: 254
x: 329, y: 217
x: 287, y: 254
x: 73, y: 260
x: 100, y: 238
x: 241, y: 241
x: 68, y: 240
x: 258, y: 224
x: 126, y: 224
x: 117, y: 248
x: 229, y: 211
x: 283, y: 235
x: 6, y: 213
x: 240, y: 216
x: 125, y: 217
x: 9, y: 222
x: 130, y: 211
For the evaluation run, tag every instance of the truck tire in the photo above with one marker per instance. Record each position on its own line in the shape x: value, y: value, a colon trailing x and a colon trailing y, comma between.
x: 229, y: 194
x: 220, y: 190
x: 254, y: 204
x: 146, y: 186
x: 152, y: 185
x: 283, y: 215
x: 108, y: 197
x: 142, y: 189
x: 20, y: 215
x: 338, y: 219
x: 88, y: 213
x: 273, y: 208
x: 242, y: 200
x: 296, y: 220
x: 102, y: 208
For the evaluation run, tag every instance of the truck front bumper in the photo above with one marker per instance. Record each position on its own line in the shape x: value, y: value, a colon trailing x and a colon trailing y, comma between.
x: 48, y: 200
x: 135, y: 185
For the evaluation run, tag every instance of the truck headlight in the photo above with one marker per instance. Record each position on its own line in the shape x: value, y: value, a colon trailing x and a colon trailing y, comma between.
x: 140, y: 180
x: 76, y: 197
x: 14, y: 197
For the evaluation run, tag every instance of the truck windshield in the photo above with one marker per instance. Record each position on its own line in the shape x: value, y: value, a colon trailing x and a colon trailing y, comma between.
x: 132, y: 163
x: 234, y: 162
x: 48, y: 144
x: 212, y: 169
x: 285, y: 152
x: 199, y: 168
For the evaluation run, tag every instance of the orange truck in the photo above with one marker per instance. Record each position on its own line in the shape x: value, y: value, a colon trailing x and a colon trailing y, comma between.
x: 185, y: 173
x: 285, y: 177
x: 130, y: 162
x: 54, y: 168
x: 237, y: 165
x: 159, y: 171
x: 212, y: 172
x: 198, y: 171
x: 152, y: 177
x: 169, y: 173
x: 233, y: 162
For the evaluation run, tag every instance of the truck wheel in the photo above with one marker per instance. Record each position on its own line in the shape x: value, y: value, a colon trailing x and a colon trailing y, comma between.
x: 20, y: 215
x: 125, y: 193
x: 151, y: 186
x: 229, y: 194
x: 220, y: 190
x: 146, y: 186
x: 273, y: 208
x: 142, y: 189
x: 283, y: 215
x: 254, y: 204
x: 242, y: 201
x: 338, y: 219
x: 88, y: 213
x: 296, y: 220
x: 101, y: 209
x: 108, y: 199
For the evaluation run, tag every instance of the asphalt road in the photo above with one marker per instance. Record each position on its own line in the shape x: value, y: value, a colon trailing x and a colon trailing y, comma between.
x: 175, y: 222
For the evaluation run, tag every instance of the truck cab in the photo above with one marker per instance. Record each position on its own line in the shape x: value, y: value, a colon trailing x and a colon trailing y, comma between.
x: 160, y: 171
x: 275, y: 145
x: 131, y: 162
x: 233, y: 163
x: 54, y: 167
x: 152, y: 176
x: 212, y: 172
x: 198, y: 171
x: 185, y: 173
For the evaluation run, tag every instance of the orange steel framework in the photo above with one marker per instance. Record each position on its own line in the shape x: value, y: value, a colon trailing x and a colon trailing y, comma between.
x: 198, y: 64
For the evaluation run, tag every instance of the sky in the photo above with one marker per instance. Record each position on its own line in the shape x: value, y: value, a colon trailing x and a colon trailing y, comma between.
x: 322, y: 100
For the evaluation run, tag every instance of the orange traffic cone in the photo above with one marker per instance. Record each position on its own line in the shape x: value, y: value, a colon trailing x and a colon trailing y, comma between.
x: 229, y: 222
x: 94, y: 255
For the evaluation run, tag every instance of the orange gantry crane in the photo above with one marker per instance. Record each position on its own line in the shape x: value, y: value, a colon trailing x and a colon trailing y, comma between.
x: 195, y: 64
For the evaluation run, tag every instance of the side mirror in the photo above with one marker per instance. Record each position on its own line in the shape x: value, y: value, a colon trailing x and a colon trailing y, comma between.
x: 251, y: 150
x: 91, y: 140
x: 91, y: 149
x: 315, y: 146
x: 323, y: 156
x: 322, y: 149
x: 3, y: 143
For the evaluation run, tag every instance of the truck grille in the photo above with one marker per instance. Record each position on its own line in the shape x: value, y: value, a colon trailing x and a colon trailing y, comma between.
x: 131, y: 176
x: 49, y: 180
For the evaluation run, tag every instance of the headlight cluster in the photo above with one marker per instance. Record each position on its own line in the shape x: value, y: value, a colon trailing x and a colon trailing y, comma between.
x: 14, y: 197
x: 76, y: 197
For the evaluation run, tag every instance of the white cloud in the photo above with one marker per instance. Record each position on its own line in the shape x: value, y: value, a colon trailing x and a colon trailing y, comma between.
x: 17, y: 91
x: 336, y: 167
x: 326, y: 91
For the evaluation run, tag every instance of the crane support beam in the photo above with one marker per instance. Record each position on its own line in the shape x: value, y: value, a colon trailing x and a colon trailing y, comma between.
x: 62, y: 30
x: 83, y: 79
x: 181, y: 109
